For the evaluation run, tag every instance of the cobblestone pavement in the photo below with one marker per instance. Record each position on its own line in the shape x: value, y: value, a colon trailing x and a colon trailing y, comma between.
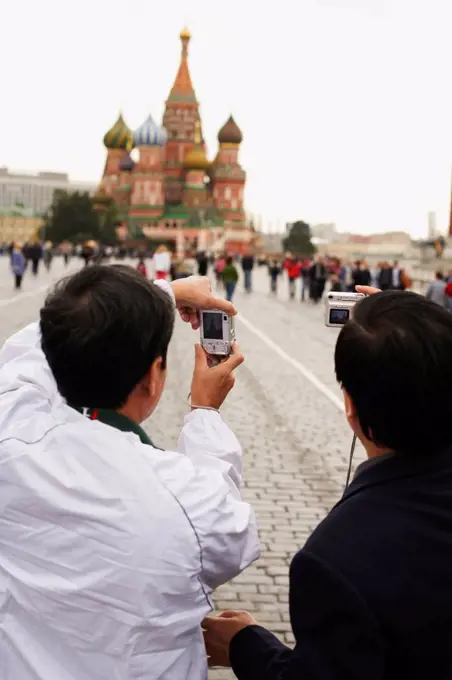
x: 294, y: 436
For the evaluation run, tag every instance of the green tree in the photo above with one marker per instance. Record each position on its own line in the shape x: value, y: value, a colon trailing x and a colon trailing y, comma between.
x: 299, y: 239
x: 76, y: 217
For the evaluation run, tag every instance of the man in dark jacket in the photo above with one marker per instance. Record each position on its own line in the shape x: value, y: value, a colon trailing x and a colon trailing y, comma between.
x: 371, y: 591
x: 247, y: 266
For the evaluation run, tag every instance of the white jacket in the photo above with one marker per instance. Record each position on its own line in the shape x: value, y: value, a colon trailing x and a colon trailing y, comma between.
x: 109, y: 548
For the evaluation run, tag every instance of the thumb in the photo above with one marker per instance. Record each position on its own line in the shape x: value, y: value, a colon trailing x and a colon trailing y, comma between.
x: 200, y: 358
x: 234, y: 359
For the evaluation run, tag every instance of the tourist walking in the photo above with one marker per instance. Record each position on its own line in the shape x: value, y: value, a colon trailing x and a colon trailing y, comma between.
x: 203, y: 264
x: 17, y: 266
x: 436, y: 291
x: 230, y: 278
x: 305, y: 267
x: 35, y: 255
x: 385, y: 278
x: 162, y: 262
x: 141, y: 266
x: 47, y: 255
x: 361, y: 275
x: 317, y: 276
x: 220, y: 264
x: 247, y: 266
x: 274, y: 271
x: 293, y: 268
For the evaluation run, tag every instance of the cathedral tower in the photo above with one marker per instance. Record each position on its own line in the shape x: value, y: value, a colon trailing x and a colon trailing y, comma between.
x: 117, y: 140
x: 195, y: 164
x: 148, y: 200
x: 181, y: 114
x: 228, y: 176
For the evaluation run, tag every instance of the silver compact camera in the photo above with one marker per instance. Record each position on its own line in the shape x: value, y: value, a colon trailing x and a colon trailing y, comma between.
x: 338, y: 307
x: 217, y: 333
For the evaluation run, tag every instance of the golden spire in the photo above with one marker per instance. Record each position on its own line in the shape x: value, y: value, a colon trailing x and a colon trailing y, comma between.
x: 185, y: 34
x: 197, y: 136
x: 182, y: 89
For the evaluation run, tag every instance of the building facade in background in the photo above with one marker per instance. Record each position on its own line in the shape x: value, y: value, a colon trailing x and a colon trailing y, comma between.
x: 18, y: 225
x: 173, y: 192
x: 35, y: 191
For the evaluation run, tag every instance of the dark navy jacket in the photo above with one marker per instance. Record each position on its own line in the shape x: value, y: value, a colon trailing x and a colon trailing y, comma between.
x: 371, y: 591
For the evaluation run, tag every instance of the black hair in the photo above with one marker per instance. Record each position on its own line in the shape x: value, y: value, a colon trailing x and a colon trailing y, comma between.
x: 394, y: 358
x: 229, y: 259
x: 101, y: 330
x: 439, y: 276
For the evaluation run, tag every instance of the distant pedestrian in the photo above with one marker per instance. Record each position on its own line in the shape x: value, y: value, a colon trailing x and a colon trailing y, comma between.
x: 317, y: 276
x: 230, y: 278
x: 361, y: 275
x: 436, y: 291
x: 274, y: 271
x: 305, y: 267
x: 141, y: 266
x: 35, y: 251
x: 162, y: 262
x: 220, y: 264
x: 385, y: 279
x: 203, y: 264
x: 17, y: 266
x: 47, y: 255
x: 293, y: 268
x: 247, y: 266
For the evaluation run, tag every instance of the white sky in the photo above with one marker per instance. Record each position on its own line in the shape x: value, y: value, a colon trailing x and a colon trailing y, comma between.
x: 345, y: 105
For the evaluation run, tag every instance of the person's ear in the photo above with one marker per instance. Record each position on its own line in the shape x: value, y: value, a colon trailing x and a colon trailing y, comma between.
x: 350, y: 409
x: 154, y: 377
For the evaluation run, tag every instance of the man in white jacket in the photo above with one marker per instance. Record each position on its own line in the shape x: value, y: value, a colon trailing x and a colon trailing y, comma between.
x: 109, y: 547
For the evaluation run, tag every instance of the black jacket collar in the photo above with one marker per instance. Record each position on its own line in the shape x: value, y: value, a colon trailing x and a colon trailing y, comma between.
x: 396, y: 466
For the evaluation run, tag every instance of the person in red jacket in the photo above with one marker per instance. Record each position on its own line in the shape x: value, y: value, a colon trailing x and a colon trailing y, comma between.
x: 293, y: 268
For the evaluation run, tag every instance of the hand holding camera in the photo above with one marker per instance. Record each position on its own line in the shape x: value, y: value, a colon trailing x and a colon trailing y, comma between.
x: 211, y: 386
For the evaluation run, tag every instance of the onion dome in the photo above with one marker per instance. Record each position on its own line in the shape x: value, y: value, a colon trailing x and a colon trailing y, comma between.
x: 196, y: 159
x: 119, y: 136
x: 150, y: 134
x: 126, y: 163
x: 230, y: 133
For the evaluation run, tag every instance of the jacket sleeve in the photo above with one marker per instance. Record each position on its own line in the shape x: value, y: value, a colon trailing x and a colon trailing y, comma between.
x: 205, y: 481
x: 337, y: 637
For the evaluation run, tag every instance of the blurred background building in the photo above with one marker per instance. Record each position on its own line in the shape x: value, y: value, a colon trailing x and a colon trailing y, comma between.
x: 18, y: 224
x: 35, y: 191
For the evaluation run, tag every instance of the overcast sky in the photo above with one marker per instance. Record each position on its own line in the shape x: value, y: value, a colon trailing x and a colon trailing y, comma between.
x: 345, y: 105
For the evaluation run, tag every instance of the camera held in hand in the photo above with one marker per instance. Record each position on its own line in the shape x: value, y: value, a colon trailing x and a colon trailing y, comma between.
x: 339, y: 306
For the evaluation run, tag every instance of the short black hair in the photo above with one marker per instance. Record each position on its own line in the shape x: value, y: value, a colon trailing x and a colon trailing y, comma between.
x: 394, y: 358
x: 101, y: 330
x: 439, y: 275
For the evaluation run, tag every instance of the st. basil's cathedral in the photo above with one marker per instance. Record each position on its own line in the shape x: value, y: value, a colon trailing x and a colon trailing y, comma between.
x: 173, y: 192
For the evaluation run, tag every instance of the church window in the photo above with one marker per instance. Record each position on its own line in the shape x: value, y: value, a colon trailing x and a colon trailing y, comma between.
x: 227, y: 193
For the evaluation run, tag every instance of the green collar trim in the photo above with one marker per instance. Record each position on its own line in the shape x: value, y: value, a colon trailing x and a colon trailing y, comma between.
x: 117, y: 420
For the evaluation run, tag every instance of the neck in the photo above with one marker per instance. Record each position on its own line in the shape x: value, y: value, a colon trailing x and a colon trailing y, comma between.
x: 131, y: 412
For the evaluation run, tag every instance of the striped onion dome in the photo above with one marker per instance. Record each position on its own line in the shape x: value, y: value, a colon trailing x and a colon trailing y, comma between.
x: 119, y: 136
x: 150, y: 134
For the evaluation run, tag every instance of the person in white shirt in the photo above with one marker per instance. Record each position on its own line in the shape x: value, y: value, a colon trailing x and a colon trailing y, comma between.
x: 161, y: 261
x: 109, y: 547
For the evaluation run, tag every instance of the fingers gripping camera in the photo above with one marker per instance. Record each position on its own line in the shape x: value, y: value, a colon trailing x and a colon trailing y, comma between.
x: 338, y: 307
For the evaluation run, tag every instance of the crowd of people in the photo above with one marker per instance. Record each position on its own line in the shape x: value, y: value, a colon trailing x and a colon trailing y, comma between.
x: 314, y: 273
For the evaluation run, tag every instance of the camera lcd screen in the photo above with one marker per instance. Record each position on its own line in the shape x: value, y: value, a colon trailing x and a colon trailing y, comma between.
x: 212, y: 323
x: 339, y: 316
